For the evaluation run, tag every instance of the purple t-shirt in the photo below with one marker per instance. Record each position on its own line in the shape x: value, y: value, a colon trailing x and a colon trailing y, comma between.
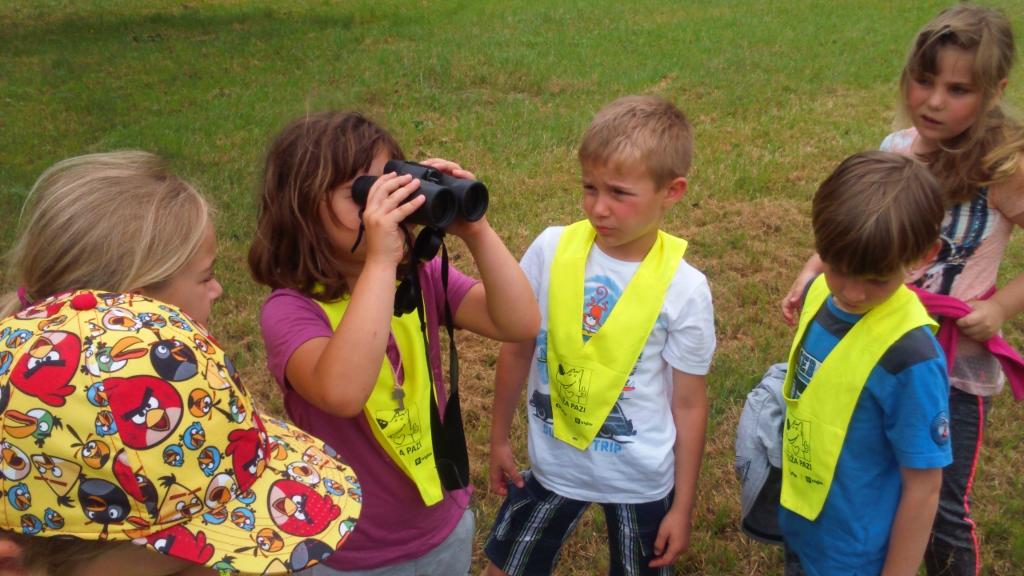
x: 395, y: 524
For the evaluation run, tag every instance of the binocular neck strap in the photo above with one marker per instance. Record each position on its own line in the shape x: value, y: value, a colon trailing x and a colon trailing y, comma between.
x: 362, y: 228
x: 448, y: 437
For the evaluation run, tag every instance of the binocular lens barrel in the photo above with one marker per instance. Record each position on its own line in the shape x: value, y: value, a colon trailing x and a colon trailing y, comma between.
x: 472, y: 199
x: 438, y: 211
x: 470, y: 195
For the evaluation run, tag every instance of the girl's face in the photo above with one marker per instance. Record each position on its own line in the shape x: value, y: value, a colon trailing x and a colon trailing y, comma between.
x: 345, y: 230
x: 944, y: 105
x: 193, y: 288
x: 142, y: 562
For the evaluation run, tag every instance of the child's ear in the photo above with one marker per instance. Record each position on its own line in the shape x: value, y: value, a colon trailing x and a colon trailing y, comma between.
x: 999, y: 93
x: 10, y: 556
x: 675, y: 190
x: 928, y: 257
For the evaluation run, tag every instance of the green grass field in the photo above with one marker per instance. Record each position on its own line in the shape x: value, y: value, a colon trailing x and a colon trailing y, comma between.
x: 778, y: 92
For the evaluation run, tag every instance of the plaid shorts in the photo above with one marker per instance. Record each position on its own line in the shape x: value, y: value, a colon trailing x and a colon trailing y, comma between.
x: 534, y: 522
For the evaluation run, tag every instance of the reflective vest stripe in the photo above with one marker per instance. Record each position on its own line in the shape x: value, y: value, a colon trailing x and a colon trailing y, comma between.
x: 587, y: 378
x: 404, y: 434
x: 817, y: 422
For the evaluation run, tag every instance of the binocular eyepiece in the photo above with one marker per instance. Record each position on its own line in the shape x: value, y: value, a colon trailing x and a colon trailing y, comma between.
x: 447, y: 197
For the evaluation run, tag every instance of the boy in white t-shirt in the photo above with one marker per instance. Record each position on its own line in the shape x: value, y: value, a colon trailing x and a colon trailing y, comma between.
x: 617, y: 401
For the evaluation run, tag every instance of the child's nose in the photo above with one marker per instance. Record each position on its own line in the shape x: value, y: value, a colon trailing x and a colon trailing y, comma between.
x: 215, y: 290
x: 936, y: 99
x: 853, y: 293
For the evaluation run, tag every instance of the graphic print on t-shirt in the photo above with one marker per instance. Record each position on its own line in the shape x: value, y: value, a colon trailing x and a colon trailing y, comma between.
x: 805, y: 369
x: 964, y: 229
x: 600, y: 294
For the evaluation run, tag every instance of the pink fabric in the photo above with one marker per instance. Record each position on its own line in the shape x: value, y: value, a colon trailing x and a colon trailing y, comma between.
x: 395, y: 525
x: 23, y: 297
x: 953, y: 309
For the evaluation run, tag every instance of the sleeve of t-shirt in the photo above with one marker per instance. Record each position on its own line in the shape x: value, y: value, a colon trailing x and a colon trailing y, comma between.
x: 899, y: 142
x: 690, y: 342
x: 1008, y: 196
x: 288, y: 320
x: 458, y: 285
x: 535, y: 260
x: 916, y: 414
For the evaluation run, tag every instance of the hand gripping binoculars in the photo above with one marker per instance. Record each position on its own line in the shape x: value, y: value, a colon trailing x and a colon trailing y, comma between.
x: 447, y: 197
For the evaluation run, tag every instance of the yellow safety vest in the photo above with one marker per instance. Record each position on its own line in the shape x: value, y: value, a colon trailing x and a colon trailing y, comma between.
x: 587, y: 378
x: 403, y: 433
x: 817, y: 422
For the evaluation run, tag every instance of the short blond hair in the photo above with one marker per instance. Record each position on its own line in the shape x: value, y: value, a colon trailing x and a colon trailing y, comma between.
x: 644, y: 129
x: 118, y: 221
x: 876, y: 215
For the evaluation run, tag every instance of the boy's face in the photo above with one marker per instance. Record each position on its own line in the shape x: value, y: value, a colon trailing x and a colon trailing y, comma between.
x: 626, y: 207
x: 859, y: 294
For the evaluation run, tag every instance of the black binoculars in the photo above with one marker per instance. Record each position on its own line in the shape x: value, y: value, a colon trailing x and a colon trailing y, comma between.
x: 447, y: 197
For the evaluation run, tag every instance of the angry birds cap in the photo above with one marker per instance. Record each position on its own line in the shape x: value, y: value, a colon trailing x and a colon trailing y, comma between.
x: 122, y: 419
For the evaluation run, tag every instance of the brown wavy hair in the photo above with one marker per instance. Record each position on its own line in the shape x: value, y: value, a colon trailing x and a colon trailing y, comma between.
x: 308, y: 160
x: 990, y: 151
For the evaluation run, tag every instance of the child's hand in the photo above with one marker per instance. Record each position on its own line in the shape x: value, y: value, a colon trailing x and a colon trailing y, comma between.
x: 984, y: 322
x: 793, y: 302
x: 673, y: 538
x: 384, y: 213
x: 458, y: 227
x: 502, y: 468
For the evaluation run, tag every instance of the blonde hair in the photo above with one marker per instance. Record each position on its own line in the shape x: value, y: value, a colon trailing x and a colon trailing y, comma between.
x: 990, y: 150
x: 117, y: 221
x: 876, y: 214
x: 644, y: 129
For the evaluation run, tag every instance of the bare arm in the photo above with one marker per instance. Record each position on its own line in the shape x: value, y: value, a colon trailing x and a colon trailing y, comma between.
x: 504, y: 307
x: 690, y: 415
x: 337, y: 374
x: 792, y: 304
x: 509, y: 380
x: 913, y: 523
x: 990, y: 315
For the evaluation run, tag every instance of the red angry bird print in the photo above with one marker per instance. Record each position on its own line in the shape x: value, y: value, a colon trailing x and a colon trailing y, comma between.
x: 177, y: 541
x: 248, y: 452
x: 299, y: 510
x: 48, y: 367
x: 45, y: 309
x: 146, y: 409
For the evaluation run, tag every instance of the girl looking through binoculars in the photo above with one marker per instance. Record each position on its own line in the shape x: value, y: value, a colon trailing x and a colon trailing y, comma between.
x: 350, y: 371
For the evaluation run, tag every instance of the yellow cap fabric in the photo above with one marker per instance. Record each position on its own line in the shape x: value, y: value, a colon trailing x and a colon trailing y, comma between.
x: 122, y: 419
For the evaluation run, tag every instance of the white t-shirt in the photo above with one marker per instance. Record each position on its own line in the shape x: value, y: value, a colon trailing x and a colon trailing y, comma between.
x: 632, y: 460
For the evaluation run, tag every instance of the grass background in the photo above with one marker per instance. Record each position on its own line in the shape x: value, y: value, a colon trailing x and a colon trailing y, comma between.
x: 778, y: 92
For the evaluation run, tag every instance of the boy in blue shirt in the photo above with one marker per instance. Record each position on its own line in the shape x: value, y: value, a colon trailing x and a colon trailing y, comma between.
x: 866, y: 432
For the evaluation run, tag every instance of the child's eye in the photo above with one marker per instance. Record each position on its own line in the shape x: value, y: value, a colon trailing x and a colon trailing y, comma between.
x: 922, y: 81
x: 959, y: 90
